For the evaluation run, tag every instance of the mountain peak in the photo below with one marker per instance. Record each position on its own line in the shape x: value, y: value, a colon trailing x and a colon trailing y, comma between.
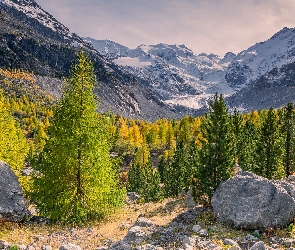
x: 282, y: 31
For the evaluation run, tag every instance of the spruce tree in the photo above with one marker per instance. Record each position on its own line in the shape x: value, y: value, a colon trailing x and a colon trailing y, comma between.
x: 269, y: 151
x: 288, y: 129
x: 143, y: 178
x: 77, y: 178
x: 178, y: 173
x: 216, y: 155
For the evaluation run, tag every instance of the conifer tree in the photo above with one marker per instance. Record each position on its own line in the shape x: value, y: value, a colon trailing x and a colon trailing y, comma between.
x: 269, y: 151
x: 289, y: 138
x: 217, y: 151
x: 77, y: 178
x: 143, y: 178
x: 178, y: 172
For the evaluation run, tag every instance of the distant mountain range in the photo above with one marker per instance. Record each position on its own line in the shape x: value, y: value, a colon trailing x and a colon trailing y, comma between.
x: 150, y: 81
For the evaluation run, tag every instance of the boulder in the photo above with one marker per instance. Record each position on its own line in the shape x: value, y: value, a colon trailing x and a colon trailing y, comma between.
x: 249, y: 201
x: 12, y: 202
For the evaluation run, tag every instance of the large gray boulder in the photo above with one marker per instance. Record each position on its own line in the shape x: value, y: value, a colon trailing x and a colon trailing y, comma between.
x: 12, y: 202
x: 249, y: 201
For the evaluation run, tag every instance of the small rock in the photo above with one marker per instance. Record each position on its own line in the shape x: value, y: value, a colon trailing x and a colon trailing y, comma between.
x: 291, y: 177
x: 189, y: 202
x: 206, y: 244
x: 196, y: 228
x: 70, y: 247
x: 135, y: 235
x: 144, y: 222
x: 250, y: 237
x: 89, y: 230
x: 102, y: 248
x: 22, y: 247
x: 288, y: 242
x: 258, y: 246
x: 120, y: 245
x: 230, y: 242
x: 148, y: 247
x: 46, y: 247
x: 189, y: 243
x: 235, y: 248
x: 4, y: 244
x: 203, y: 233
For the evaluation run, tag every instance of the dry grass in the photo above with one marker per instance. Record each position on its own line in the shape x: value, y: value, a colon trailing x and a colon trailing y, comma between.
x: 92, y: 235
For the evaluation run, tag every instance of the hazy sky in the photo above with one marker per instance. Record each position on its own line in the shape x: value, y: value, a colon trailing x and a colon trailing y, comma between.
x: 210, y: 26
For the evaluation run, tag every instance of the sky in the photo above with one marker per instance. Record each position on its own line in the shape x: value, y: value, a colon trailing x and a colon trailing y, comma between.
x: 204, y: 26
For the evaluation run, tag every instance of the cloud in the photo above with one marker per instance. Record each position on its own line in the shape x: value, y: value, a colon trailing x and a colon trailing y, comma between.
x: 207, y: 26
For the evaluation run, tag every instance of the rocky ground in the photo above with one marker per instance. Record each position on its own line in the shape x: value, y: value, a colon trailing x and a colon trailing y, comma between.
x: 167, y: 225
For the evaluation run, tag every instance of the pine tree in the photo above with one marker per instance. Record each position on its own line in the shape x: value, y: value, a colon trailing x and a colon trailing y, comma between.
x: 289, y: 139
x: 217, y: 151
x: 178, y: 173
x: 143, y: 178
x: 77, y: 178
x: 269, y: 151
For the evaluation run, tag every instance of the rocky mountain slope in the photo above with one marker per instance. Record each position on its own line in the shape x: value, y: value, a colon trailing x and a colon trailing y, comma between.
x: 173, y: 71
x: 32, y: 40
x: 182, y: 78
x: 147, y: 82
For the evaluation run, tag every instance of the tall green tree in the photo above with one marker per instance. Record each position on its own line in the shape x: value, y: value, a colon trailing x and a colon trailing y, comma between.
x: 270, y: 151
x: 289, y: 138
x: 143, y: 178
x: 178, y: 171
x: 77, y: 179
x: 216, y: 156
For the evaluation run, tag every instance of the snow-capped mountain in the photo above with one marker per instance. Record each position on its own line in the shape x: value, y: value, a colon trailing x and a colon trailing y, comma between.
x: 182, y: 78
x: 261, y: 58
x: 178, y: 75
x: 33, y: 40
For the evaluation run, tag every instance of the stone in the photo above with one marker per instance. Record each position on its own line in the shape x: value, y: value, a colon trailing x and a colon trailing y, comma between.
x: 189, y: 243
x: 120, y: 245
x: 4, y: 244
x: 70, y: 247
x: 46, y: 247
x: 288, y: 242
x: 102, y: 248
x: 258, y: 246
x: 196, y: 228
x: 144, y: 222
x: 249, y: 201
x: 230, y: 242
x: 135, y: 235
x: 291, y: 177
x: 207, y: 244
x: 12, y: 202
x: 250, y: 237
x: 22, y: 247
x: 235, y: 248
x: 148, y: 247
x: 189, y: 201
x: 203, y: 233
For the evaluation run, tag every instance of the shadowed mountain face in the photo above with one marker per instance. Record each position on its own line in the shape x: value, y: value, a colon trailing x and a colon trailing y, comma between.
x: 32, y: 40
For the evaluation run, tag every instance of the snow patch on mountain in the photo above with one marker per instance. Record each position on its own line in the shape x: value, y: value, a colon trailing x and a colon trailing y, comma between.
x: 178, y: 75
x: 262, y: 57
x: 33, y: 10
